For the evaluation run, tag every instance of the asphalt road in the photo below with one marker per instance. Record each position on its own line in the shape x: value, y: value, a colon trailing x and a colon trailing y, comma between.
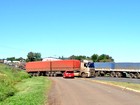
x: 130, y: 80
x: 82, y: 92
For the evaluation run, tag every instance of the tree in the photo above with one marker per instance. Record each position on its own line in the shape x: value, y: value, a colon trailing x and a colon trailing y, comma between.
x: 33, y: 56
x: 72, y: 57
x: 94, y: 57
x: 101, y: 58
x: 79, y: 57
x: 20, y: 59
x: 11, y: 59
x: 38, y: 56
x: 105, y: 58
x: 62, y: 57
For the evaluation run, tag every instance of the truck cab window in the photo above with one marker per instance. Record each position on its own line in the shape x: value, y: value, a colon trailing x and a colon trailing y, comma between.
x: 91, y: 65
x: 85, y: 64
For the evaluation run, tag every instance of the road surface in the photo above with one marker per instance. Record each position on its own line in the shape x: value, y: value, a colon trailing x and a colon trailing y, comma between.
x: 81, y: 92
x: 129, y: 80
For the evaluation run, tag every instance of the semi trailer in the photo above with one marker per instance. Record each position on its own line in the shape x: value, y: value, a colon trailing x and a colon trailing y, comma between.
x: 131, y: 70
x: 54, y: 68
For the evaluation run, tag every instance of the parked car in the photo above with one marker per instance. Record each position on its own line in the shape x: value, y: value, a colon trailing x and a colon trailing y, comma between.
x: 68, y: 74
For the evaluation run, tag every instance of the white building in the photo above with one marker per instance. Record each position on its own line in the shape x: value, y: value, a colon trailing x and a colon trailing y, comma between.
x: 50, y: 59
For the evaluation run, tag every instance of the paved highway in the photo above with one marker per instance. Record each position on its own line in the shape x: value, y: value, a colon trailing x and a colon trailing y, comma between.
x: 82, y: 92
x: 130, y: 80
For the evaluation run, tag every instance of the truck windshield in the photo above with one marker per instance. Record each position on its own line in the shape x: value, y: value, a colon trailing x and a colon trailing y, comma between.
x: 91, y: 65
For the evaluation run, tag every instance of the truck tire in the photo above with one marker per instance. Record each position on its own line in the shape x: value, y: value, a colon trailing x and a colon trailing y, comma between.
x: 135, y: 75
x: 97, y: 74
x: 38, y: 73
x: 34, y: 74
x: 118, y: 74
x: 132, y: 75
x: 54, y: 74
x: 113, y: 74
x: 84, y: 75
x: 51, y: 75
x: 47, y: 75
x: 42, y: 74
x: 102, y: 73
x: 138, y: 75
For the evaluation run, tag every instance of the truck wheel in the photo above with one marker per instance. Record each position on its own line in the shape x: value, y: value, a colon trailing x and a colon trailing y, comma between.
x: 138, y: 75
x: 54, y: 74
x: 38, y: 73
x: 112, y: 74
x: 132, y: 75
x: 51, y: 74
x: 47, y: 75
x: 84, y: 75
x: 34, y: 74
x: 135, y: 75
x: 118, y: 74
x: 97, y: 74
x: 102, y: 73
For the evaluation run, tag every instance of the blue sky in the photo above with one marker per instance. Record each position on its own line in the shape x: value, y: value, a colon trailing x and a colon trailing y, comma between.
x: 70, y: 27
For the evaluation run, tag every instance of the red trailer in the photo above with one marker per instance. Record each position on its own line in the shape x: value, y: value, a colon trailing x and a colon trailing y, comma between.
x: 64, y: 65
x: 52, y: 67
x: 38, y: 66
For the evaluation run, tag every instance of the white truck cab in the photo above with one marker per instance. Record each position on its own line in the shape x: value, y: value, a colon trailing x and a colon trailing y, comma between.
x: 87, y: 68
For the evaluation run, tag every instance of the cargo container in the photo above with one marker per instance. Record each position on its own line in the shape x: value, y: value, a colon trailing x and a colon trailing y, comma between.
x: 64, y: 65
x: 37, y: 66
x: 113, y: 69
x: 103, y: 65
x: 124, y: 65
x: 54, y: 68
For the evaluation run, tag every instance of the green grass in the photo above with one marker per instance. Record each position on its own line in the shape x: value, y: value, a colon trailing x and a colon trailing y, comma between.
x: 124, y: 84
x: 127, y: 85
x: 8, y: 78
x: 31, y: 91
x: 17, y: 88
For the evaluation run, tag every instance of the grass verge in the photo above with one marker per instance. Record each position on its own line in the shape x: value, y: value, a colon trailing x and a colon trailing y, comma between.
x: 123, y: 84
x: 17, y: 88
x: 31, y: 91
x: 8, y: 78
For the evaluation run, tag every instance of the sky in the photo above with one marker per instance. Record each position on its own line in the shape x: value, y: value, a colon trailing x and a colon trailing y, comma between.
x: 70, y: 27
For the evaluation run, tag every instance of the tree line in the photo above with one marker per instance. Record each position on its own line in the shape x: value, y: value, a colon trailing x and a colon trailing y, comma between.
x: 34, y: 56
x: 31, y: 56
x: 94, y: 58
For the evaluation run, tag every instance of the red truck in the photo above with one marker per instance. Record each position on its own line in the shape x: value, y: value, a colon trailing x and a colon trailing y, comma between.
x: 54, y: 68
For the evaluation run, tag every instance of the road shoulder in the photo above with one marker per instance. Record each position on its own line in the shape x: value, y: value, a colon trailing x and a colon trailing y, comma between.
x: 111, y: 84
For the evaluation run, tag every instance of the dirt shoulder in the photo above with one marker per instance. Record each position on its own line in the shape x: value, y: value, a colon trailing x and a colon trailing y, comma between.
x: 53, y: 96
